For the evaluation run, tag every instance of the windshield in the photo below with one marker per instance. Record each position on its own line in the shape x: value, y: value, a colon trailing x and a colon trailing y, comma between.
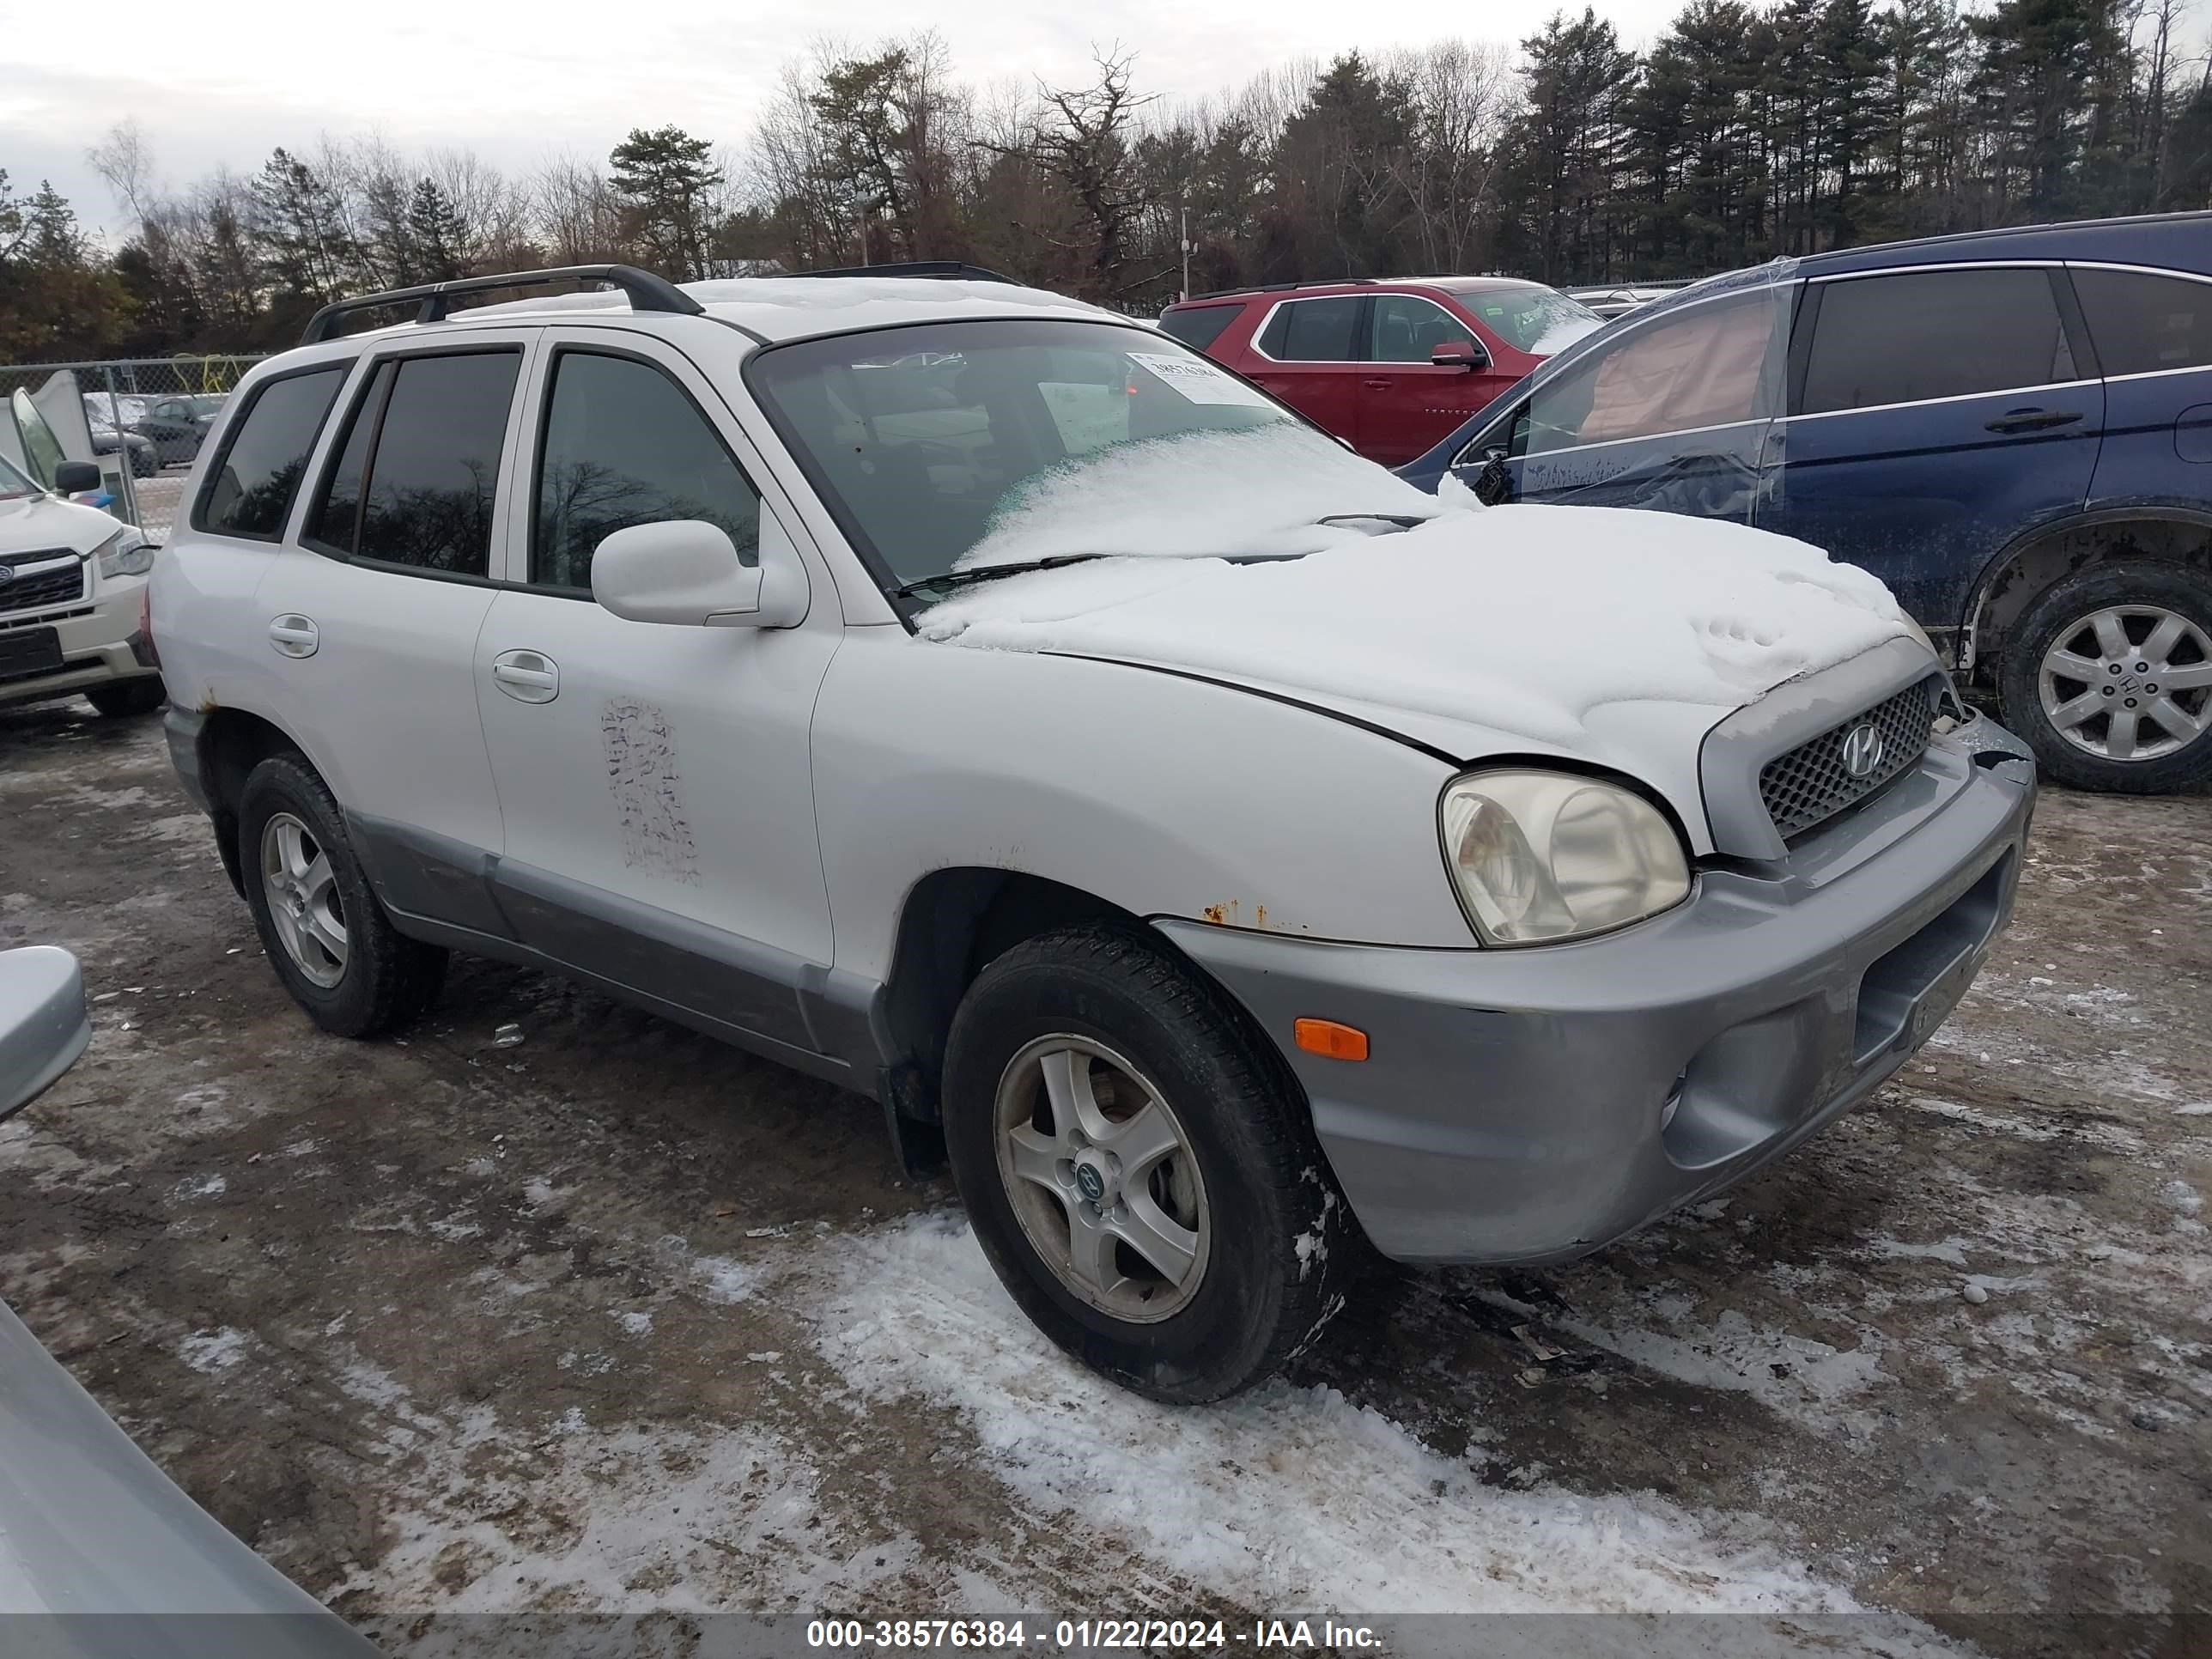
x: 1541, y: 321
x: 960, y: 445
x: 14, y: 482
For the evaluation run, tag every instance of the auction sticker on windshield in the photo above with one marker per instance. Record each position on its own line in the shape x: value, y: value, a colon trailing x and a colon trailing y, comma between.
x: 1199, y: 381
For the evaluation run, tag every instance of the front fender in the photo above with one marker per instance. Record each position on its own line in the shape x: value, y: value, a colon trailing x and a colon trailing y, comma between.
x: 1162, y: 795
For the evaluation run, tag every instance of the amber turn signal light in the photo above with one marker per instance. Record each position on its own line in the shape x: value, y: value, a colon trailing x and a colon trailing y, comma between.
x: 1331, y: 1038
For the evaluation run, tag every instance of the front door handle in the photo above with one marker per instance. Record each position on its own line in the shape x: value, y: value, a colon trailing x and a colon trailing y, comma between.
x: 526, y: 676
x: 293, y: 635
x: 2032, y: 420
x: 1378, y: 386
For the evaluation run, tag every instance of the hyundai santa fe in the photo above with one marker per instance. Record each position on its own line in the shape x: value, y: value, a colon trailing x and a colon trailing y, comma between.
x: 995, y: 707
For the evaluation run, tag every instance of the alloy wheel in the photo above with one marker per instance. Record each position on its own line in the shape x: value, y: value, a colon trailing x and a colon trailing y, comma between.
x: 304, y: 903
x: 1103, y: 1177
x: 2129, y: 683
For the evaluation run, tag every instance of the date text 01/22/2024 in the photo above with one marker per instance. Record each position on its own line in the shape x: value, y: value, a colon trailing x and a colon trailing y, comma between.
x: 1089, y: 1635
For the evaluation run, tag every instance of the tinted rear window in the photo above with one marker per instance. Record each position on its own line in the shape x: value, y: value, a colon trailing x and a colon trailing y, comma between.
x: 1200, y: 326
x: 250, y: 489
x: 428, y: 498
x: 2142, y: 323
x: 1313, y: 332
x: 1934, y: 334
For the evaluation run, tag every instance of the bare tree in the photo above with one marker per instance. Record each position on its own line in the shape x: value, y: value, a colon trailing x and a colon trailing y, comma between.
x: 1082, y: 138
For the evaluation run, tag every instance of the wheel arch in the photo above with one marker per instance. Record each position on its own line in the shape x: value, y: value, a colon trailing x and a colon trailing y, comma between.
x: 2155, y: 532
x: 953, y: 923
x: 231, y: 742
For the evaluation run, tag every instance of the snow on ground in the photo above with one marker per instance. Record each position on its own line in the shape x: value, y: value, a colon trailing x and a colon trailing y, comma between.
x: 1283, y: 1496
x: 1441, y: 619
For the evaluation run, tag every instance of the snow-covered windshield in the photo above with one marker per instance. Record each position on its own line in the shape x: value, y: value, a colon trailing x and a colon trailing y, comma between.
x: 956, y: 446
x: 1529, y: 318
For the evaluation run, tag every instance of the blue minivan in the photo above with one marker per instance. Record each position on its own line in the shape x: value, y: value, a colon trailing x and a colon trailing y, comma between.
x: 2012, y: 429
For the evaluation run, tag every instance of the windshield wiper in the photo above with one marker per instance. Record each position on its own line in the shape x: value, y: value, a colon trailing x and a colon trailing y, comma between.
x: 983, y: 573
x: 1403, y: 520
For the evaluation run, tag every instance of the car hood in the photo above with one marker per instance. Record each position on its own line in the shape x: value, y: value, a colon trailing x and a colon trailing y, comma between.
x: 90, y: 1526
x: 31, y: 523
x: 1617, y: 638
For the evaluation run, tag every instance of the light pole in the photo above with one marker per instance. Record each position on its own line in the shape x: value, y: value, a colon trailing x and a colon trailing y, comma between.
x: 1183, y: 235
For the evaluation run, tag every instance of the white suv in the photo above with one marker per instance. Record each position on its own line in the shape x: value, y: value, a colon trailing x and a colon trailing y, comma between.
x: 1310, y: 862
x: 72, y: 597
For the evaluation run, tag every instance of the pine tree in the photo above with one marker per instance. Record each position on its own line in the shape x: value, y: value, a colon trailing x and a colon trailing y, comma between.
x: 299, y: 228
x: 436, y: 235
x: 666, y: 183
x: 1566, y: 145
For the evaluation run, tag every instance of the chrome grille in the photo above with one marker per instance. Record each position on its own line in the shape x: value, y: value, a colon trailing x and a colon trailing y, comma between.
x: 1811, y: 783
x: 63, y: 585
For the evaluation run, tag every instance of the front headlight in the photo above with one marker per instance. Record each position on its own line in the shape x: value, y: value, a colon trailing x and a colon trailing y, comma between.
x: 126, y: 553
x: 1543, y: 856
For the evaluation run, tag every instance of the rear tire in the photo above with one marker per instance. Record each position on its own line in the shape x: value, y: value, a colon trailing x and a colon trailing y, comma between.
x: 1245, y: 1194
x: 128, y: 698
x: 2059, y: 661
x: 328, y: 938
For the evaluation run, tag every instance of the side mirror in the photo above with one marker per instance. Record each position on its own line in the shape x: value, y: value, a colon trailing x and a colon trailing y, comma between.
x: 75, y: 478
x: 1493, y: 485
x: 43, y: 1027
x: 1458, y: 354
x: 686, y: 572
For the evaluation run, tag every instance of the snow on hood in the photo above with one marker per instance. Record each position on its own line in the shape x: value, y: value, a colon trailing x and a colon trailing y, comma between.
x: 1523, y: 619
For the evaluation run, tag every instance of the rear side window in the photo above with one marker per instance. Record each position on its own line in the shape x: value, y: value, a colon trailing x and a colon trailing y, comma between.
x: 334, y: 527
x: 1934, y: 334
x: 1314, y: 332
x: 625, y: 446
x: 1200, y: 326
x: 2141, y: 323
x: 422, y: 461
x: 250, y: 487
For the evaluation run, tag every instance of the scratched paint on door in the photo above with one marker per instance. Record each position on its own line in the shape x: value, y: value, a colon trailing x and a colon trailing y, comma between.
x: 648, y: 790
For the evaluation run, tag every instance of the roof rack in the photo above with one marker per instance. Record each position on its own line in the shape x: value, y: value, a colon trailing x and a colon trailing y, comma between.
x: 1285, y: 287
x: 945, y: 268
x: 647, y: 293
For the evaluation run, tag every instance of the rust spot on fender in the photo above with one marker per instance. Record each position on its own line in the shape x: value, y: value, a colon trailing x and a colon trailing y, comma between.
x: 1223, y: 914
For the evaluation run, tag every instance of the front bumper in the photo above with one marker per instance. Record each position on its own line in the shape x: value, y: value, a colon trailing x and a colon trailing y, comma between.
x: 102, y: 643
x: 1533, y: 1105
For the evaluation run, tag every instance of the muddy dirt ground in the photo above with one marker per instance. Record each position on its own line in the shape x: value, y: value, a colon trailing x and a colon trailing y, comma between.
x: 620, y: 1320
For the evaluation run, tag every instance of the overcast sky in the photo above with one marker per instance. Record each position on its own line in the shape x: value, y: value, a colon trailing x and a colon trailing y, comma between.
x: 214, y: 81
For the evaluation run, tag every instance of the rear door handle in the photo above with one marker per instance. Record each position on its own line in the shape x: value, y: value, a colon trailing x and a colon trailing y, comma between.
x: 293, y: 635
x: 526, y: 676
x: 2032, y: 420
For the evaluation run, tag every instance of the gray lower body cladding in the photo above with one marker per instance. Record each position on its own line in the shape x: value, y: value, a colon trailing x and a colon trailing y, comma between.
x: 1526, y: 1106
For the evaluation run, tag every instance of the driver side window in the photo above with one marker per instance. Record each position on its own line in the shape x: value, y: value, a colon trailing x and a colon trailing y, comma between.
x: 1405, y: 328
x: 623, y: 444
x: 1713, y: 364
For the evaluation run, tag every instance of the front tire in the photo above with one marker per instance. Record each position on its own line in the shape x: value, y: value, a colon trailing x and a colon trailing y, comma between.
x: 324, y: 933
x: 127, y: 698
x: 1139, y: 1167
x: 2108, y: 676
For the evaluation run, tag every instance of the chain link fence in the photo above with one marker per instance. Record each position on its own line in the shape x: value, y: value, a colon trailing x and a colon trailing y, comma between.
x: 141, y: 420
